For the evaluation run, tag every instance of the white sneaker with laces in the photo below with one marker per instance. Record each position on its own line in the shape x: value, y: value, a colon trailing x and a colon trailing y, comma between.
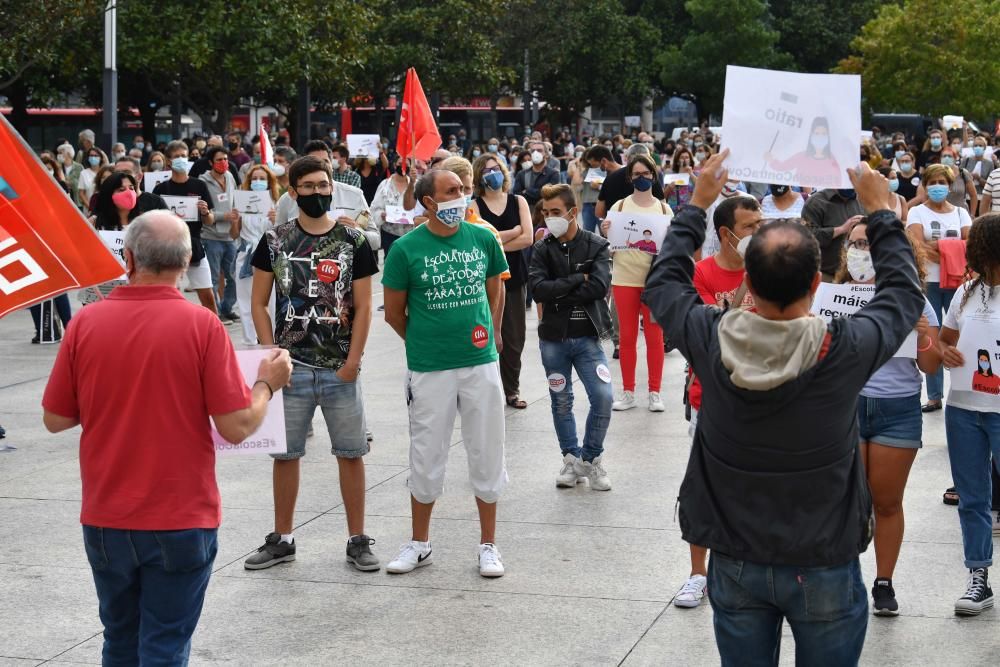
x: 490, y: 564
x: 567, y: 476
x: 691, y: 593
x: 655, y: 403
x: 595, y: 473
x: 412, y: 554
x: 627, y: 402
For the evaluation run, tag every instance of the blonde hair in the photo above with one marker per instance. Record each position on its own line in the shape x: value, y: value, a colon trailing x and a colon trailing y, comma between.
x: 272, y: 180
x: 478, y: 189
x: 457, y: 165
x: 935, y: 170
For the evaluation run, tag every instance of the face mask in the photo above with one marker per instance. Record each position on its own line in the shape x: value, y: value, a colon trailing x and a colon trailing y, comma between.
x: 642, y: 183
x: 451, y: 213
x: 493, y: 180
x: 820, y: 141
x: 315, y: 205
x: 900, y: 154
x: 179, y: 164
x: 233, y: 145
x: 985, y: 365
x: 957, y: 147
x: 906, y: 167
x: 140, y: 145
x: 468, y: 201
x: 779, y: 190
x: 936, y: 142
x: 385, y: 145
x: 256, y: 159
x: 847, y: 193
x: 220, y: 167
x: 557, y: 226
x: 978, y: 151
x: 476, y: 153
x: 700, y: 157
x: 278, y: 170
x: 371, y: 162
x: 200, y: 145
x: 492, y: 148
x: 893, y: 185
x: 526, y: 165
x: 948, y: 161
x: 118, y: 156
x: 52, y: 172
x: 156, y: 166
x: 859, y: 265
x: 537, y: 157
x: 125, y: 199
x: 258, y: 186
x: 741, y: 244
x: 937, y: 193
x: 333, y: 134
x: 94, y: 161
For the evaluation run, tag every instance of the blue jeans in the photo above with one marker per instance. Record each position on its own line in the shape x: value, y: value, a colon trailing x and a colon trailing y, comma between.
x: 587, y: 357
x: 343, y: 411
x: 63, y: 308
x: 940, y: 300
x: 150, y: 587
x: 826, y: 607
x: 221, y: 256
x: 972, y: 436
x: 589, y: 212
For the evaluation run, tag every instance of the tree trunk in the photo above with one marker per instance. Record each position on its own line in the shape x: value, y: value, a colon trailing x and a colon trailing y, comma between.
x: 17, y: 95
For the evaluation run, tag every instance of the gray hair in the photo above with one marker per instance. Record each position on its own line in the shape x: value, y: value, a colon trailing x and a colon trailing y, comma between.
x: 88, y: 135
x: 636, y: 149
x: 287, y: 153
x: 66, y: 149
x: 159, y: 242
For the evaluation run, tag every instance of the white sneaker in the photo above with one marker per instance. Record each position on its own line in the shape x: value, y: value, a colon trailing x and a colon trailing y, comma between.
x: 567, y: 476
x: 655, y: 403
x: 691, y: 593
x: 626, y: 403
x: 490, y: 564
x: 412, y: 555
x: 595, y: 473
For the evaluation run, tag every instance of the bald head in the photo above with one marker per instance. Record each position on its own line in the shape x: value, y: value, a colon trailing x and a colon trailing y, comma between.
x: 159, y: 244
x: 782, y: 261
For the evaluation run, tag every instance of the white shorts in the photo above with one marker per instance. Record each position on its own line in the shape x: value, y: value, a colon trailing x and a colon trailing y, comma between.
x: 434, y: 399
x: 199, y: 277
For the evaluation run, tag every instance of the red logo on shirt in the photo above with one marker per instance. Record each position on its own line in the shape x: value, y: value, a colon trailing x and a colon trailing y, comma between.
x: 480, y: 336
x: 327, y: 270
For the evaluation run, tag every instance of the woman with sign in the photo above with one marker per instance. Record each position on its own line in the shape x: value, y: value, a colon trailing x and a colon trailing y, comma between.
x: 890, y: 423
x: 248, y: 230
x: 972, y: 420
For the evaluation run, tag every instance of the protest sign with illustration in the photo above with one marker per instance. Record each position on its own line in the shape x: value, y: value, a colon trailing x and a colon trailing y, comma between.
x: 637, y: 231
x: 398, y: 215
x: 832, y: 301
x: 788, y: 128
x: 979, y: 343
x: 363, y: 145
x: 185, y: 208
x: 270, y: 437
x: 251, y: 202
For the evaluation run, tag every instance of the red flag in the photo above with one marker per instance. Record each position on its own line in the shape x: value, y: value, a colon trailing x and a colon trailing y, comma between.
x: 46, y: 246
x: 266, y: 154
x: 418, y: 134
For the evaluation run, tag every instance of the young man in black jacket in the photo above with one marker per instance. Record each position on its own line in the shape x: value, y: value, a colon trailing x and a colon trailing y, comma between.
x: 570, y: 273
x: 775, y: 485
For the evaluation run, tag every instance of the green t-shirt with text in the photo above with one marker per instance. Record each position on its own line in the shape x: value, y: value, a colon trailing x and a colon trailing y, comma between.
x: 449, y: 323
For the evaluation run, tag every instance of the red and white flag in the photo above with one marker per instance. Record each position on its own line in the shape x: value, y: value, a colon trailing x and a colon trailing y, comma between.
x: 266, y: 154
x: 47, y: 247
x: 418, y: 135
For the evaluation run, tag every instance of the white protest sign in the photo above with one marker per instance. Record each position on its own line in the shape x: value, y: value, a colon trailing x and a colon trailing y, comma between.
x: 833, y: 301
x: 115, y: 242
x: 153, y: 178
x: 791, y: 129
x: 952, y: 122
x: 595, y: 176
x: 363, y: 145
x: 633, y: 121
x: 185, y: 208
x: 270, y: 437
x: 398, y: 215
x: 979, y: 344
x: 252, y: 202
x: 677, y: 179
x: 637, y: 231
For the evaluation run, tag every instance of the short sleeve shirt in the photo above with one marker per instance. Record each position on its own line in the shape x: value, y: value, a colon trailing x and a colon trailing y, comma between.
x: 449, y: 324
x: 992, y: 190
x: 313, y: 276
x: 981, y: 396
x: 937, y: 226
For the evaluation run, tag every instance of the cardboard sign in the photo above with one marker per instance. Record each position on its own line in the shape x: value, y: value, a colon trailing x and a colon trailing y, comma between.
x: 833, y: 301
x: 363, y: 145
x: 637, y: 231
x: 270, y: 437
x: 153, y: 178
x: 185, y: 208
x: 115, y: 242
x: 979, y: 343
x: 398, y: 215
x: 252, y: 202
x: 791, y: 129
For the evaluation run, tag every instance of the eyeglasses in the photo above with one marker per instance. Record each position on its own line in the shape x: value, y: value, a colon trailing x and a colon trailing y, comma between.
x: 860, y: 244
x: 491, y: 170
x: 326, y: 187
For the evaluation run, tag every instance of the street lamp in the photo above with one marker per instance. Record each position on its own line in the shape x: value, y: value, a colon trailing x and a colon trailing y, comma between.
x: 110, y: 98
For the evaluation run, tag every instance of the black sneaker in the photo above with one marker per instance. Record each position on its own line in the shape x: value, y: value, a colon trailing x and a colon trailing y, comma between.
x: 616, y: 354
x: 368, y: 436
x: 978, y: 594
x: 359, y: 553
x: 884, y: 598
x: 273, y: 552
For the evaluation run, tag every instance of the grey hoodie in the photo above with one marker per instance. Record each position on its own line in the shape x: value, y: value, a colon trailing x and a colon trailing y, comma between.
x: 762, y: 354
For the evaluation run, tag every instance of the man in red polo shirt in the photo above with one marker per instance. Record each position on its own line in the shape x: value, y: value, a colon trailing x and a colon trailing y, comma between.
x: 142, y: 372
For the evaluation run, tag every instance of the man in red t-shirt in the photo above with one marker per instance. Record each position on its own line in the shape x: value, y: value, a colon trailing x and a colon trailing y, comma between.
x: 142, y: 372
x: 719, y: 279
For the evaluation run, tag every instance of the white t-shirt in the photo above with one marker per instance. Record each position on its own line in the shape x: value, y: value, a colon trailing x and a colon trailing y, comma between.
x: 346, y: 198
x: 937, y: 226
x: 980, y: 321
x: 768, y: 210
x: 86, y: 183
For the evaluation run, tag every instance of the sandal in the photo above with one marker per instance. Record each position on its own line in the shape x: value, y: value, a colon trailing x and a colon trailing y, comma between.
x: 950, y: 496
x: 516, y: 402
x: 932, y: 406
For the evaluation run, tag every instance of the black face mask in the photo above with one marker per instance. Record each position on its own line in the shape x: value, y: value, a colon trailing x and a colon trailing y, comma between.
x: 779, y: 190
x: 233, y: 145
x: 399, y: 169
x: 315, y: 205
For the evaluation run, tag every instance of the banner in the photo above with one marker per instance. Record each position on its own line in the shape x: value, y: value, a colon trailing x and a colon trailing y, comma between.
x: 637, y: 231
x: 270, y: 437
x: 398, y: 215
x: 979, y: 345
x: 833, y: 301
x: 787, y: 128
x: 417, y: 136
x: 46, y: 245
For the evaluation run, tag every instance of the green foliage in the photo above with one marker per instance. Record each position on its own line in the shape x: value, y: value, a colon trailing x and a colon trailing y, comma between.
x: 931, y: 58
x: 818, y: 34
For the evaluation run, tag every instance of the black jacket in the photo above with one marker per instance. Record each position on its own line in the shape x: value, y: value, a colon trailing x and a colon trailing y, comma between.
x: 533, y: 192
x: 558, y: 283
x: 775, y: 476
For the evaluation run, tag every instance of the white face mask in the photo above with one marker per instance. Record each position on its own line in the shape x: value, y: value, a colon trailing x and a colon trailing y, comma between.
x: 742, y: 245
x: 859, y: 264
x: 557, y: 226
x: 537, y: 157
x: 451, y: 213
x: 278, y: 170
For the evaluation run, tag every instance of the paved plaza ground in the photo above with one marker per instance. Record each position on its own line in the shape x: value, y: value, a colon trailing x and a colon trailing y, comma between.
x: 590, y: 575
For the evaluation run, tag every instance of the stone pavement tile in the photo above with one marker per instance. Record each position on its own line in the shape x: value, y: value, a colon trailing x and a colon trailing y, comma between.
x: 250, y: 621
x: 572, y: 561
x: 7, y: 661
x: 46, y: 610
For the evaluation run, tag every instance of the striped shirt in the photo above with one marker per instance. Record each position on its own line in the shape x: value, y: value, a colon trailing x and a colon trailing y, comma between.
x: 992, y: 190
x: 349, y: 176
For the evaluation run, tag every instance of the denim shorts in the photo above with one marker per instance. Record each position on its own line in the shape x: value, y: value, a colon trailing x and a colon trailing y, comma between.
x: 895, y: 422
x: 342, y: 408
